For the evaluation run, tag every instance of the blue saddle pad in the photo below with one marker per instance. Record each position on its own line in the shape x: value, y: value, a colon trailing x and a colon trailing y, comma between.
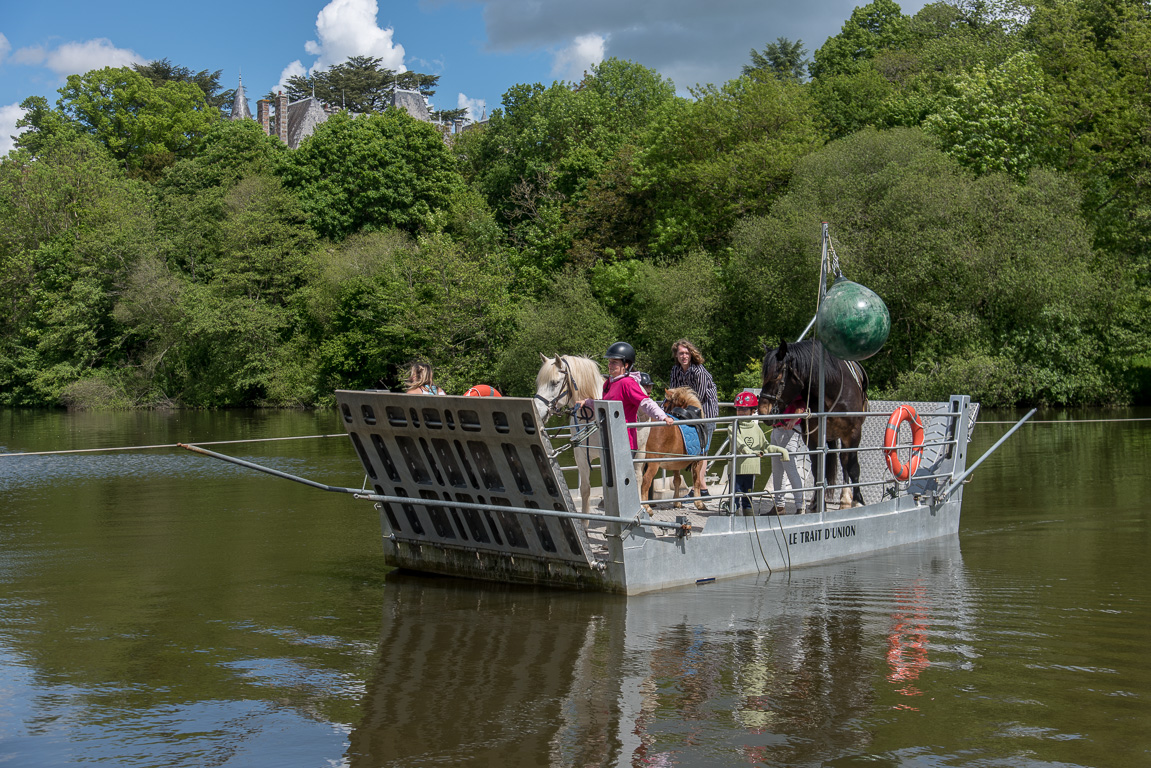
x: 691, y: 444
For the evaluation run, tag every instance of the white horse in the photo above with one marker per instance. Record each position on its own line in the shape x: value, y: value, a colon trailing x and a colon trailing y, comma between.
x: 565, y: 381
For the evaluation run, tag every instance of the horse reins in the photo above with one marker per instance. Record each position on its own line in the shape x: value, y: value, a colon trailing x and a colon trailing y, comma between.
x: 568, y: 388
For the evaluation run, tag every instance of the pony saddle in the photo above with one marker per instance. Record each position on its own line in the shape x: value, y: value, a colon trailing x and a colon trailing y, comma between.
x: 685, y: 412
x: 680, y: 412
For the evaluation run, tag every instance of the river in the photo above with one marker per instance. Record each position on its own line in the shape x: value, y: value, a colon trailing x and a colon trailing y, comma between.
x: 159, y: 608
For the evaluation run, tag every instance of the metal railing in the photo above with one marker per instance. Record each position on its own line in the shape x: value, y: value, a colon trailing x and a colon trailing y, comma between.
x: 819, y: 456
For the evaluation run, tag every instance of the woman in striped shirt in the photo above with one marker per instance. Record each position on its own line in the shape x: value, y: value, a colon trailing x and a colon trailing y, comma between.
x: 689, y: 372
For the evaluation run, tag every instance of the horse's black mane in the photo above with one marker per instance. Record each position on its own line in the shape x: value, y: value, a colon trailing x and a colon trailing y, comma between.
x: 803, y: 360
x: 805, y: 364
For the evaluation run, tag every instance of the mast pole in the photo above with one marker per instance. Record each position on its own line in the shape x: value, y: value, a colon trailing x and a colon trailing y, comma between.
x: 821, y: 471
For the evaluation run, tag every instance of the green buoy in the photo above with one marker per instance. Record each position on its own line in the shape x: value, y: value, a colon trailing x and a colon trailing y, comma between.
x: 853, y: 322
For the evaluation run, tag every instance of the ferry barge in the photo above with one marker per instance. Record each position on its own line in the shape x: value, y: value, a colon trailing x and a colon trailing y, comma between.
x: 472, y: 487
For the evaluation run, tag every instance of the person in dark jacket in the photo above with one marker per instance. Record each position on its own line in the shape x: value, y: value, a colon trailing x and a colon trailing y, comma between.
x: 688, y: 371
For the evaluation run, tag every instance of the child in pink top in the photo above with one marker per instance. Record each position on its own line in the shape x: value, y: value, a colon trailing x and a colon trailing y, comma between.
x: 622, y: 387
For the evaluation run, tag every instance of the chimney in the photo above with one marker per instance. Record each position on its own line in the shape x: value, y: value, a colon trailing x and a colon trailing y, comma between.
x: 282, y: 116
x: 263, y: 115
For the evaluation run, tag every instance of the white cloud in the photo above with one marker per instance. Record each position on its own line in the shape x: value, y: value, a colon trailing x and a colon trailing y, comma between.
x: 477, y: 108
x: 295, y: 69
x: 578, y: 57
x: 78, y: 58
x: 5, y: 46
x: 8, y: 117
x: 31, y: 55
x: 349, y: 28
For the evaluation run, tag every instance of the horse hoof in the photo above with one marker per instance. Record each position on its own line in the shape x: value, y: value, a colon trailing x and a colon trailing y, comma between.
x: 678, y: 505
x: 700, y: 506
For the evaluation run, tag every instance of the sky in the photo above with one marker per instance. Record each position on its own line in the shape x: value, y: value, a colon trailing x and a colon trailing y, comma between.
x: 479, y: 48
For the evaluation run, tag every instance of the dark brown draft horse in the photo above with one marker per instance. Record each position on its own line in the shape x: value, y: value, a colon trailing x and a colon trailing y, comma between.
x: 666, y: 440
x: 791, y: 371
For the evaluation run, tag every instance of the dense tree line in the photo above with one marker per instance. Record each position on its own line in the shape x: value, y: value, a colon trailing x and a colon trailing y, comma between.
x: 984, y: 166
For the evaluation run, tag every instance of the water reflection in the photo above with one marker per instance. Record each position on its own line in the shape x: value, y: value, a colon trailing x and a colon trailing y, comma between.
x: 164, y: 609
x: 774, y: 670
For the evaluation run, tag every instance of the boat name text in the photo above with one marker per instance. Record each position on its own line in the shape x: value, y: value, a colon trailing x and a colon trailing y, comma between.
x: 821, y: 534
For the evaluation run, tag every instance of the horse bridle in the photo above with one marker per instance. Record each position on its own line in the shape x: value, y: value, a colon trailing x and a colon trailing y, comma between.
x: 774, y: 398
x: 787, y: 371
x: 568, y: 388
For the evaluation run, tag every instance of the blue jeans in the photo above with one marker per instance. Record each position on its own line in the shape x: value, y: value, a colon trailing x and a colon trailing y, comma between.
x: 744, y: 484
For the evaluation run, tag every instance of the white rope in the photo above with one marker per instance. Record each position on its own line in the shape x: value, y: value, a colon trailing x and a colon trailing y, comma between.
x: 165, y: 445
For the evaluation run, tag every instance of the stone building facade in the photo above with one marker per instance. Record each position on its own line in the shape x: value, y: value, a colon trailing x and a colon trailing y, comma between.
x: 295, y: 121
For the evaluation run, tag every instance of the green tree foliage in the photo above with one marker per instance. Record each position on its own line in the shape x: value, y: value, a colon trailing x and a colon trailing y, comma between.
x: 190, y: 208
x: 562, y: 135
x: 989, y: 179
x: 674, y: 300
x: 143, y: 126
x: 655, y: 303
x: 988, y: 281
x: 1095, y: 57
x: 567, y: 320
x: 853, y: 101
x: 384, y: 299
x: 359, y: 85
x: 725, y: 155
x: 43, y: 126
x: 997, y: 121
x: 163, y: 71
x: 267, y: 245
x: 877, y: 26
x: 73, y: 227
x: 886, y: 69
x: 613, y: 219
x: 537, y: 156
x: 231, y: 150
x: 372, y: 172
x: 785, y: 59
x: 216, y: 330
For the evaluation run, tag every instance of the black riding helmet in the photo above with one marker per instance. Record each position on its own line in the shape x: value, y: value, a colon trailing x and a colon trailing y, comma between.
x: 621, y: 350
x: 644, y: 379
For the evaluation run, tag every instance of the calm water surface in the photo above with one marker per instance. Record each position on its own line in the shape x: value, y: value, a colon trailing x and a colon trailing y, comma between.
x: 158, y: 608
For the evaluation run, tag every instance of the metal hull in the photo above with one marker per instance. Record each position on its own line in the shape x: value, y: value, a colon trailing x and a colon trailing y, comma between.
x: 729, y: 546
x: 468, y: 487
x: 738, y: 546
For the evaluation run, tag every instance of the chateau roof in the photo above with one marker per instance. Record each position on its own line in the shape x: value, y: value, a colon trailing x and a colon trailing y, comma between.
x: 303, y: 117
x: 412, y: 102
x: 240, y: 104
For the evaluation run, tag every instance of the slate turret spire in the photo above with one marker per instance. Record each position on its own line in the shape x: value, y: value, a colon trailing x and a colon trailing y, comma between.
x: 240, y: 103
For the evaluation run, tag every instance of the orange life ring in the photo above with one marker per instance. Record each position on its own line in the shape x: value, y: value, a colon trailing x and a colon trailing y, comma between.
x: 904, y: 413
x: 483, y: 390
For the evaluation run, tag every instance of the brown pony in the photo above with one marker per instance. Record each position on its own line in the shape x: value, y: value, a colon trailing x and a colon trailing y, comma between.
x: 667, y: 440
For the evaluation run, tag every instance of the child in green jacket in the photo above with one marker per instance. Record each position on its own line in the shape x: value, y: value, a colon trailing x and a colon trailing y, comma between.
x: 750, y: 444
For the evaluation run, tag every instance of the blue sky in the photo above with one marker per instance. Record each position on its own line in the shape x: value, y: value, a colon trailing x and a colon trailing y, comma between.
x: 479, y: 48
